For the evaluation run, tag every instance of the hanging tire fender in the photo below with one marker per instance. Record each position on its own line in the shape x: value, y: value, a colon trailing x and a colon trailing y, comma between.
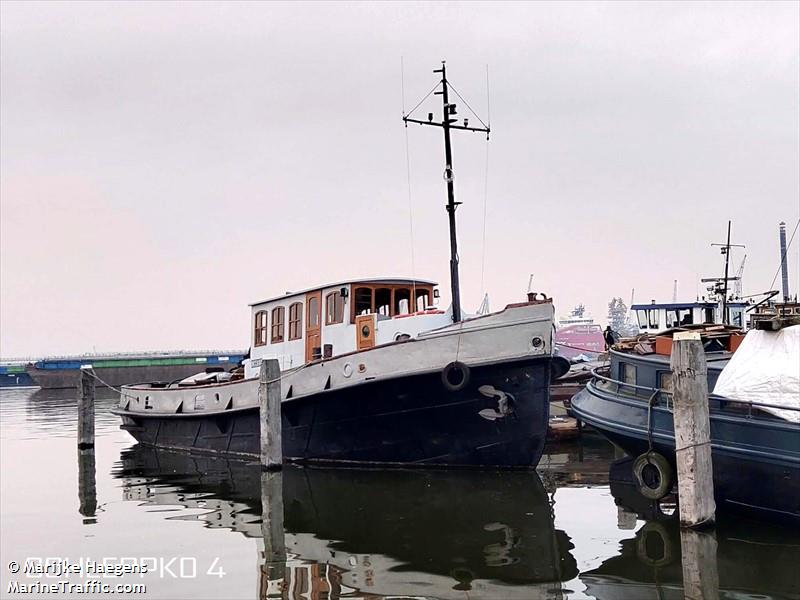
x: 653, y: 529
x: 653, y: 475
x: 455, y: 376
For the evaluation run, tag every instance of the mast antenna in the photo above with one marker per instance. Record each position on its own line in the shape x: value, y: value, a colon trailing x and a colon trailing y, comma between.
x: 722, y: 284
x: 449, y: 122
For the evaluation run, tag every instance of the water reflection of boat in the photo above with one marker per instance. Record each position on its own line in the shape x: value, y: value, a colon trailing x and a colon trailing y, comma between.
x: 386, y: 533
x: 753, y: 560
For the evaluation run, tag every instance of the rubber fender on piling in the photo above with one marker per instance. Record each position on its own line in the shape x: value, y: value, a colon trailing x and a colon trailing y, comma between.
x: 651, y: 487
x: 455, y: 376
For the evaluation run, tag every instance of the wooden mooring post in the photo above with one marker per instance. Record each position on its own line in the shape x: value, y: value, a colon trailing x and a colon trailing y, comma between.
x: 273, y: 570
x: 87, y: 485
x: 269, y: 400
x: 699, y: 564
x: 85, y: 410
x: 692, y: 431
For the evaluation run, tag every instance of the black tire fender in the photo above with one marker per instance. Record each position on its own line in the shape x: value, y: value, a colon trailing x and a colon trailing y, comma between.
x: 455, y: 376
x: 658, y: 465
x: 653, y: 529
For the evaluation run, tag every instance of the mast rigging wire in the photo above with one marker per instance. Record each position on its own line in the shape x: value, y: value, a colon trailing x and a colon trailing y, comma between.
x: 412, y: 304
x: 452, y: 87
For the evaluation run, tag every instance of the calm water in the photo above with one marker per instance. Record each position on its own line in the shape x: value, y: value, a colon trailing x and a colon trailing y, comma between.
x: 196, y: 525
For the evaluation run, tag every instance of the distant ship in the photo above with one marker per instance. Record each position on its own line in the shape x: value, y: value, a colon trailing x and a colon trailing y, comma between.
x: 122, y: 369
x: 13, y: 375
x: 577, y: 334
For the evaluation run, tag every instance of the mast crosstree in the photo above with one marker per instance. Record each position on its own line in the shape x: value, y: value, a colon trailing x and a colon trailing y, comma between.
x: 449, y: 122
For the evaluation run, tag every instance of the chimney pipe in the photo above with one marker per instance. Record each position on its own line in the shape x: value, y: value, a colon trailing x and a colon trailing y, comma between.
x: 784, y: 266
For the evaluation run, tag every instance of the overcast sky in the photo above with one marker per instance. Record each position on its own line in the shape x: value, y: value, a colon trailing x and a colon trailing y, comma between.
x: 165, y: 164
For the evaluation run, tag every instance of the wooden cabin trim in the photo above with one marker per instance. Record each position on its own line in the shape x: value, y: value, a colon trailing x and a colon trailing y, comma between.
x: 260, y: 328
x: 278, y: 316
x: 421, y: 289
x: 338, y: 315
x: 295, y: 321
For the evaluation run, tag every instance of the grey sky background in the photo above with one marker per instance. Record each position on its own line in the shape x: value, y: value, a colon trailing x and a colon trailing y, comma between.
x: 165, y: 164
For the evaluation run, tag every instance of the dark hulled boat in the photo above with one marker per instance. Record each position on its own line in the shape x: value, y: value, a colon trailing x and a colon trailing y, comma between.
x: 755, y: 452
x: 468, y: 394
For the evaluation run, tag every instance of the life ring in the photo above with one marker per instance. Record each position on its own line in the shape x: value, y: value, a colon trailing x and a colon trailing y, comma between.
x: 455, y: 376
x: 653, y: 529
x: 653, y: 475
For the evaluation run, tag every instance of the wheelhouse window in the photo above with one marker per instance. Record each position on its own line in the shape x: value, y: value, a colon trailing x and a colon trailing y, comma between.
x: 362, y: 298
x: 627, y: 373
x: 652, y: 318
x: 296, y: 321
x: 423, y: 300
x: 334, y: 308
x: 383, y: 301
x: 686, y: 317
x: 665, y: 381
x: 313, y: 312
x: 641, y: 316
x: 260, y: 328
x: 402, y: 301
x: 672, y: 318
x: 277, y: 324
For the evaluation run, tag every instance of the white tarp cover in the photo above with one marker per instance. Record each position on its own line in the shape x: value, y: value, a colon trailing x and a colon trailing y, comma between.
x: 765, y: 368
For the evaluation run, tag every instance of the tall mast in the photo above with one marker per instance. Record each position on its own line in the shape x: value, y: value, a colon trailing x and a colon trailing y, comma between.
x: 451, y: 194
x: 725, y: 289
x: 449, y: 122
x: 721, y: 285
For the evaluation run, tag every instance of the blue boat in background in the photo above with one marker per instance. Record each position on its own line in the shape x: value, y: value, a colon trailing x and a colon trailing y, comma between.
x: 14, y: 375
x: 755, y: 445
x: 121, y: 369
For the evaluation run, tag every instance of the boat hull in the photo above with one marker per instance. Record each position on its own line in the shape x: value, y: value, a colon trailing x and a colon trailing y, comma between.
x: 406, y: 420
x: 756, y: 461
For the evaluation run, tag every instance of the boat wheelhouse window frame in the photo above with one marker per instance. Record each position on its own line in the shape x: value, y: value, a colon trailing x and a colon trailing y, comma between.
x: 295, y: 321
x: 334, y: 308
x: 382, y: 301
x: 277, y: 329
x: 665, y: 381
x: 313, y: 318
x: 398, y: 295
x: 653, y: 318
x: 423, y: 294
x: 627, y: 376
x: 641, y: 317
x: 360, y: 291
x: 260, y: 328
x: 362, y: 301
x: 673, y: 320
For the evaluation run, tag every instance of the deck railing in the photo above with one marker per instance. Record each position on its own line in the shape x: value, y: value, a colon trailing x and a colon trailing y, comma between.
x: 656, y: 394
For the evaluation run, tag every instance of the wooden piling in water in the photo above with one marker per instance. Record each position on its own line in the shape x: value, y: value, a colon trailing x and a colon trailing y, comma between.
x: 692, y: 430
x: 699, y: 564
x: 87, y: 485
x: 273, y: 569
x: 85, y: 410
x: 269, y: 399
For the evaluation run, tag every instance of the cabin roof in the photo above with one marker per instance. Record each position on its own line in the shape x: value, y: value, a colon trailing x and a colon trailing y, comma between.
x: 389, y: 281
x: 679, y: 305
